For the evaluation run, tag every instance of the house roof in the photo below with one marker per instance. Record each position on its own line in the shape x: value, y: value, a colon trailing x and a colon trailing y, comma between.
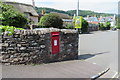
x: 63, y: 16
x: 23, y: 8
x: 94, y: 22
x: 92, y: 19
x: 105, y: 19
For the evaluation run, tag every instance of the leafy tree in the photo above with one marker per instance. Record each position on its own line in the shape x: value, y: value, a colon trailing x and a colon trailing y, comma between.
x: 84, y: 26
x: 118, y: 27
x: 118, y: 22
x: 107, y: 25
x: 48, y: 10
x: 69, y: 26
x: 51, y: 20
x: 102, y: 27
x: 10, y: 17
x: 83, y: 13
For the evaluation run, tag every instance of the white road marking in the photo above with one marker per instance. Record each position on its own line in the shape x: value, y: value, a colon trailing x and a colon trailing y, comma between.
x: 115, y: 75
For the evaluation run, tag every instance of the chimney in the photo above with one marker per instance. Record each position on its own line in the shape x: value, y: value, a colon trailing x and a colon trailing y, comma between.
x: 33, y: 3
x: 43, y: 12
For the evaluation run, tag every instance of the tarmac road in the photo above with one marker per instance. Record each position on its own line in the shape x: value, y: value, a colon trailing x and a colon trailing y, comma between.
x: 101, y: 48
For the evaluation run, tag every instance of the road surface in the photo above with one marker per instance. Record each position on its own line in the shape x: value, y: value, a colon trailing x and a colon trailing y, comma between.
x: 101, y: 48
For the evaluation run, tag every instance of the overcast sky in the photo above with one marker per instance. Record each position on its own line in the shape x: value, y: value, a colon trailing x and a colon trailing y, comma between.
x: 105, y: 6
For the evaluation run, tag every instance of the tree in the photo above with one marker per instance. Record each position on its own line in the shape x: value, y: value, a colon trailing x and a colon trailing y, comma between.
x: 118, y: 22
x: 107, y: 25
x: 10, y: 17
x: 51, y: 20
x: 102, y: 27
x: 84, y: 26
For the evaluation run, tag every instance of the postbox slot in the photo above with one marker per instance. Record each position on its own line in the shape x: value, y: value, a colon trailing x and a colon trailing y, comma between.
x: 54, y: 35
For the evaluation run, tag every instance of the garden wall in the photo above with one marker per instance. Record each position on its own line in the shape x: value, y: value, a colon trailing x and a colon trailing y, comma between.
x: 35, y: 47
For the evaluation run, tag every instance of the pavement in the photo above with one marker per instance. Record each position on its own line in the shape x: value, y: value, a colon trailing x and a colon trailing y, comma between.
x: 67, y: 69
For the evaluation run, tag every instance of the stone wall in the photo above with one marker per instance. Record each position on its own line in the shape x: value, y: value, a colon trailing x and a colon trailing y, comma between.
x: 35, y: 47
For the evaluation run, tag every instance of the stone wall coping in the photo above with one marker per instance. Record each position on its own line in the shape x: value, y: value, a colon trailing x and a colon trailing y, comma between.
x: 44, y: 31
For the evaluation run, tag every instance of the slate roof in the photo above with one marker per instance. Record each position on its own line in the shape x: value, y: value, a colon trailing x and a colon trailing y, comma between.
x: 106, y: 19
x: 92, y: 19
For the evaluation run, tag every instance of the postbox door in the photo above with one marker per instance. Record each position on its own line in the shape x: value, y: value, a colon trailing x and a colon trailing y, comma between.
x: 55, y: 44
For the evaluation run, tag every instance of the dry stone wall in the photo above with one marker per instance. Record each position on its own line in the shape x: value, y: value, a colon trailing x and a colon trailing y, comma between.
x: 35, y: 47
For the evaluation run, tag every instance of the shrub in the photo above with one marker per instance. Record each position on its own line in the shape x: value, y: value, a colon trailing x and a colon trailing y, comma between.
x: 107, y: 25
x: 51, y: 20
x: 118, y: 27
x: 9, y: 29
x: 102, y: 27
x: 68, y: 25
x: 84, y: 28
x: 10, y: 17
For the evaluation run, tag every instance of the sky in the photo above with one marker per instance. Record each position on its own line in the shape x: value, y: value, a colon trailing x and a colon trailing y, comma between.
x: 101, y: 6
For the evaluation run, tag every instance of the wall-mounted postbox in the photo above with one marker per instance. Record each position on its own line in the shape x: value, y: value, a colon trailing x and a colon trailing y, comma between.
x: 55, y: 42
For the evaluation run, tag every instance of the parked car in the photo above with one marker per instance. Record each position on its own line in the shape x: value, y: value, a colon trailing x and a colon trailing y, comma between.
x: 114, y: 29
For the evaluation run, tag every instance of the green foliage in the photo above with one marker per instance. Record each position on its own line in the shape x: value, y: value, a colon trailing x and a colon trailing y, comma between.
x: 9, y: 29
x: 102, y: 27
x: 107, y: 25
x: 51, y: 20
x: 84, y: 28
x: 118, y: 22
x: 83, y: 13
x: 48, y: 10
x: 10, y: 17
x: 69, y: 26
x: 118, y: 27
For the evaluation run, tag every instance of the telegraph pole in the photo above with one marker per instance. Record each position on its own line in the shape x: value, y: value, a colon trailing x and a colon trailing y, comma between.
x: 77, y: 12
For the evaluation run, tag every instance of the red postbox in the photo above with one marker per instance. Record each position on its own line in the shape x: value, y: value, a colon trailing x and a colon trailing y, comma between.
x: 55, y: 42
